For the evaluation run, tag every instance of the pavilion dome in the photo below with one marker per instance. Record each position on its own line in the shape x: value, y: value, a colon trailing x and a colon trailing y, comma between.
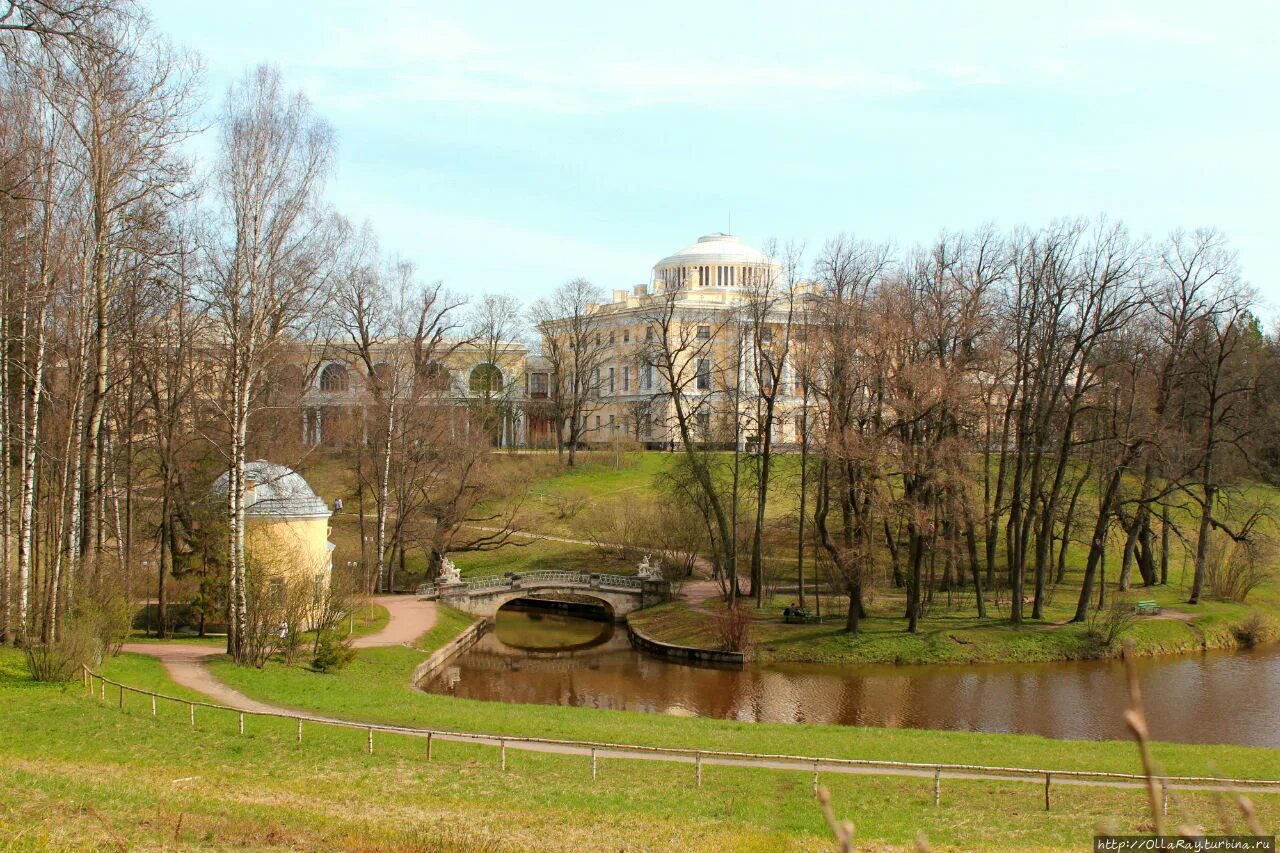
x: 275, y: 491
x: 718, y: 248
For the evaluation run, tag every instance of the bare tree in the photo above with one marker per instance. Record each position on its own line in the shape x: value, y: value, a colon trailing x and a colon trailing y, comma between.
x: 494, y: 330
x: 267, y: 265
x: 685, y: 343
x: 397, y: 329
x: 769, y: 313
x: 570, y: 324
x: 125, y: 98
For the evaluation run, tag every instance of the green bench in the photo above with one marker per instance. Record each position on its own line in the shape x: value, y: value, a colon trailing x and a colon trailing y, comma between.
x: 1147, y: 607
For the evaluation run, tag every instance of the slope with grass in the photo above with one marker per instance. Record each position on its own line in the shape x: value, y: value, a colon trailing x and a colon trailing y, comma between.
x: 75, y: 772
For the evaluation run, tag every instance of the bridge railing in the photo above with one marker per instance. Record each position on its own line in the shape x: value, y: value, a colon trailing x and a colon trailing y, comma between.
x: 517, y: 580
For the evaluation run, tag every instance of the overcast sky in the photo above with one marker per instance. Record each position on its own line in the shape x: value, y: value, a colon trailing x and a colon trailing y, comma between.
x: 512, y: 146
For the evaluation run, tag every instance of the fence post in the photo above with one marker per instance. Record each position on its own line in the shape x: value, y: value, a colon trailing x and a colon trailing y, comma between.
x: 697, y: 767
x: 371, y: 740
x: 122, y: 696
x: 102, y: 683
x: 192, y: 706
x: 937, y: 786
x: 593, y: 764
x: 1048, y: 777
x: 815, y: 777
x: 1164, y: 797
x: 299, y: 730
x: 502, y: 748
x: 429, y: 746
x: 242, y: 722
x: 153, y: 704
x: 84, y: 675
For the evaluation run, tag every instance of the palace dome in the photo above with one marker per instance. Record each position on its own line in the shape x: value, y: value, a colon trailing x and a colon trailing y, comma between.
x: 275, y: 491
x: 717, y: 261
x: 718, y: 248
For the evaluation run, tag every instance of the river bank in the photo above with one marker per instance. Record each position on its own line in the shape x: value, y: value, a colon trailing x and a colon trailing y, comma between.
x: 956, y: 635
x: 156, y: 782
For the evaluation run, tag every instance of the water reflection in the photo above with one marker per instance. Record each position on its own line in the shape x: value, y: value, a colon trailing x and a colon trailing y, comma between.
x: 560, y: 660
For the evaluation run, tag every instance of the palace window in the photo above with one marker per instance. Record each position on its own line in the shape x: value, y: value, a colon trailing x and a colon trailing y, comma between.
x: 611, y: 388
x: 704, y: 374
x: 626, y: 379
x: 646, y: 377
x: 334, y: 378
x: 539, y: 385
x: 485, y: 379
x: 704, y: 333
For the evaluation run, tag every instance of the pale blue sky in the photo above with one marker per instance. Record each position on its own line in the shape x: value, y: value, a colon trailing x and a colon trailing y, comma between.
x: 512, y: 146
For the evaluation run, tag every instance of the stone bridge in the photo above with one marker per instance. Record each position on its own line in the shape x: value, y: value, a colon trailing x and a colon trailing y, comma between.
x: 484, y: 596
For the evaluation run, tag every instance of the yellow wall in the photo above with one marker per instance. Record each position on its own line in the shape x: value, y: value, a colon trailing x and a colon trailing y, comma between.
x: 296, y: 548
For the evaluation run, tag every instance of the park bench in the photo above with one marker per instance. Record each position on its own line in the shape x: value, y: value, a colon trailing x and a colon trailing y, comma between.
x: 801, y: 617
x: 1147, y: 607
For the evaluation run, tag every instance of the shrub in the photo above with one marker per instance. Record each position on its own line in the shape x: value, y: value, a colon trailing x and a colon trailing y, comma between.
x: 107, y: 616
x: 1250, y: 632
x: 1109, y: 624
x: 735, y: 628
x: 62, y: 660
x: 567, y: 505
x: 332, y: 652
x: 1232, y: 570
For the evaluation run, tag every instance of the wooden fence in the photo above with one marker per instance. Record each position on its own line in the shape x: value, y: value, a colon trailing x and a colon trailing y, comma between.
x: 816, y: 765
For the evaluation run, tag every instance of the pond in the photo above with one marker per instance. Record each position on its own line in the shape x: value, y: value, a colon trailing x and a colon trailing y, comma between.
x: 558, y: 659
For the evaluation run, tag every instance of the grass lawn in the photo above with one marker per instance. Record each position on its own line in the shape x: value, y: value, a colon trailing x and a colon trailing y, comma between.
x: 946, y: 635
x: 77, y: 773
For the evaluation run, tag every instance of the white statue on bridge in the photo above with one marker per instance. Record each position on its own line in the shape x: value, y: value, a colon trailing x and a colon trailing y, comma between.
x: 449, y: 572
x: 650, y: 570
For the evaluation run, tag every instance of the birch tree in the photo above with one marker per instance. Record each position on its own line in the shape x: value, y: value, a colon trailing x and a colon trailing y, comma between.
x: 268, y: 265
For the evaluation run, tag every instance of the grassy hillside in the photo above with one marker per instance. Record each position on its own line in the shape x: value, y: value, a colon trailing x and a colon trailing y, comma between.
x: 585, y: 502
x: 75, y: 772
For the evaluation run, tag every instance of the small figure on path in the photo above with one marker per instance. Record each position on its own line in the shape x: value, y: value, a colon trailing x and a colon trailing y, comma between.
x: 284, y: 630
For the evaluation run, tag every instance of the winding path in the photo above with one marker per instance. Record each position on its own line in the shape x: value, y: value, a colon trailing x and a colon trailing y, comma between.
x: 186, y: 662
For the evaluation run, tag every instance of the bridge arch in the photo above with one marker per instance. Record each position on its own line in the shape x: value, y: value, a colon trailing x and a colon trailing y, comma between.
x: 573, y: 603
x: 624, y: 594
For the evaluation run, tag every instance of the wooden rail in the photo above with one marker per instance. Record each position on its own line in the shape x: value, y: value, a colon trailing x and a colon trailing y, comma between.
x: 597, y: 750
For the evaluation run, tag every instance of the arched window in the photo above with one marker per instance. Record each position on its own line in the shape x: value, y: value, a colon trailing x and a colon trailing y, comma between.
x: 486, y: 379
x: 334, y: 378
